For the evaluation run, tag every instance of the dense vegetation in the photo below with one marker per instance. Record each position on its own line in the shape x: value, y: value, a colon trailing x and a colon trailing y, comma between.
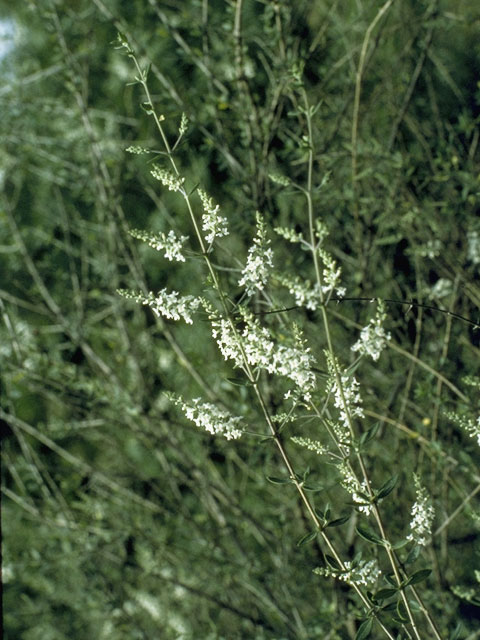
x: 121, y: 518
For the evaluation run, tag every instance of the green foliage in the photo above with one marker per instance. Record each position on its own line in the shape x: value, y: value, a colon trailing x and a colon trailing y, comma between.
x: 351, y: 130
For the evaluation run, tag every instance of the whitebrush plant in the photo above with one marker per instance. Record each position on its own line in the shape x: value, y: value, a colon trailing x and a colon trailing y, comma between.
x: 298, y: 391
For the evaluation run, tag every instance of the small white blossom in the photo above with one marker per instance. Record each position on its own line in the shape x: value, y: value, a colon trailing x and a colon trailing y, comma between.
x: 359, y: 573
x: 135, y: 149
x: 167, y: 178
x: 441, y: 289
x: 423, y: 514
x: 430, y: 250
x: 256, y: 344
x: 311, y: 445
x: 159, y: 241
x: 351, y: 484
x: 305, y: 294
x: 213, y: 224
x: 331, y: 273
x: 346, y: 395
x: 169, y: 305
x: 373, y: 337
x: 279, y: 179
x: 469, y: 425
x: 259, y: 261
x: 211, y: 418
x: 289, y: 234
x: 183, y: 125
x: 473, y: 249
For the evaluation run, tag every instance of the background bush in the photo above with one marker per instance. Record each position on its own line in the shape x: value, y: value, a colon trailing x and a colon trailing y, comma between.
x: 120, y: 518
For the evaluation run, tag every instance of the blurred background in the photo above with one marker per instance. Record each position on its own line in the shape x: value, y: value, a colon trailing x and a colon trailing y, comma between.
x: 120, y: 518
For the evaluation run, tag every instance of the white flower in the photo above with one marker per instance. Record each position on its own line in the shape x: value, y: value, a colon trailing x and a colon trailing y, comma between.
x: 259, y: 261
x: 213, y: 224
x: 168, y: 179
x: 331, y: 273
x: 211, y: 418
x: 311, y: 445
x: 442, y: 288
x: 473, y: 250
x: 169, y: 305
x: 373, y: 337
x: 170, y: 243
x: 359, y: 573
x: 346, y: 395
x: 351, y: 484
x: 423, y: 515
x: 256, y: 344
x: 305, y: 294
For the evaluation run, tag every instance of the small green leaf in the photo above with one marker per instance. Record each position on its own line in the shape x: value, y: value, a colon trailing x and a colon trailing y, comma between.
x: 330, y: 560
x: 418, y: 576
x: 401, y: 611
x: 387, y: 488
x: 390, y: 578
x: 275, y: 480
x: 370, y: 434
x: 390, y: 606
x: 338, y: 521
x: 311, y: 487
x: 383, y: 594
x: 366, y: 534
x: 413, y: 555
x: 399, y: 544
x: 240, y: 382
x: 307, y: 538
x: 364, y: 629
x: 456, y: 632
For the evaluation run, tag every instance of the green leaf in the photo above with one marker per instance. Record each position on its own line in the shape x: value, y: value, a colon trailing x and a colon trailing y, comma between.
x: 338, y: 521
x: 418, y: 576
x: 370, y: 434
x: 456, y: 632
x: 390, y: 578
x: 307, y: 538
x: 275, y: 480
x: 311, y: 487
x: 383, y: 594
x: 413, y: 555
x: 330, y: 560
x: 240, y: 382
x: 401, y: 611
x: 364, y: 629
x: 366, y: 534
x: 387, y: 488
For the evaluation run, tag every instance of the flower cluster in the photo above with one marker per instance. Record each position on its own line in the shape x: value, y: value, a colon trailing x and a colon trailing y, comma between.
x: 168, y: 179
x: 256, y: 345
x: 279, y: 179
x: 259, y: 261
x: 209, y: 417
x: 169, y: 305
x: 214, y: 225
x: 135, y: 149
x: 469, y: 425
x: 356, y: 489
x: 473, y: 250
x: 442, y: 288
x: 373, y: 337
x: 346, y: 394
x: 423, y: 514
x: 311, y: 445
x: 331, y: 274
x: 159, y: 241
x: 359, y: 573
x: 305, y: 294
x: 290, y: 235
